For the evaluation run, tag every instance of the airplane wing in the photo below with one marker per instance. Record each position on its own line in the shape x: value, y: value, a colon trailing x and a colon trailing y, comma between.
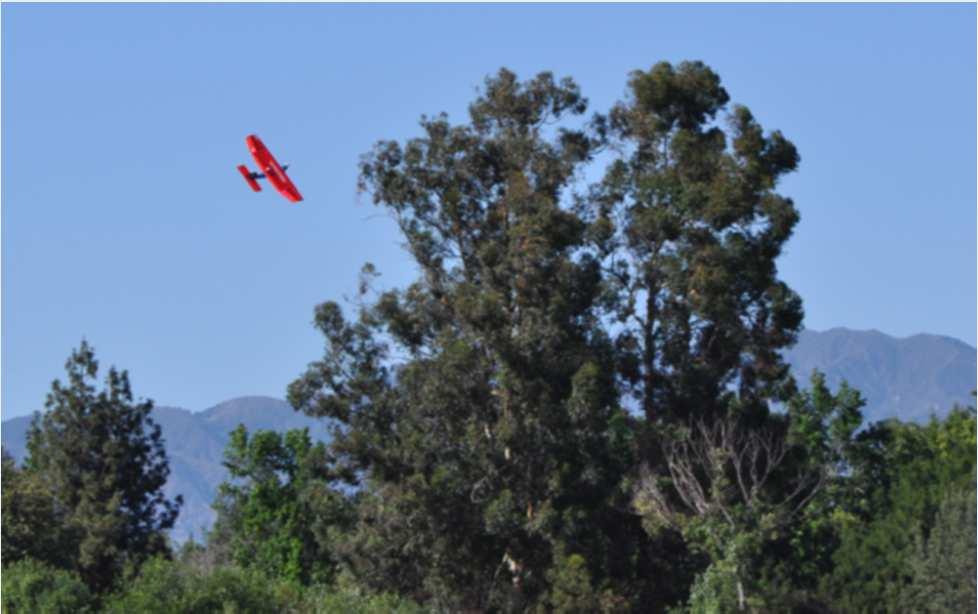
x: 273, y: 171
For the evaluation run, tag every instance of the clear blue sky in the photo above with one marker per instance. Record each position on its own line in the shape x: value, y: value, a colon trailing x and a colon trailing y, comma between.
x: 124, y: 220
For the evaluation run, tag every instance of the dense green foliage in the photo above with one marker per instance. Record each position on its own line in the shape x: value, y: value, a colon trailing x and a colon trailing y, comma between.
x: 277, y: 513
x: 493, y: 451
x: 907, y: 482
x: 30, y: 586
x: 579, y: 405
x: 33, y: 524
x: 942, y: 565
x: 688, y: 225
x: 166, y: 587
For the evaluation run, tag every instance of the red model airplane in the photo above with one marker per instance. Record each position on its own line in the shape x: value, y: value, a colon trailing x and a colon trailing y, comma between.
x: 269, y: 169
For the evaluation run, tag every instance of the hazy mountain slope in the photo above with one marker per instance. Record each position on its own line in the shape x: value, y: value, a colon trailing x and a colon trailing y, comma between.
x: 260, y: 413
x: 195, y: 443
x: 904, y: 378
x: 195, y: 452
x: 15, y: 436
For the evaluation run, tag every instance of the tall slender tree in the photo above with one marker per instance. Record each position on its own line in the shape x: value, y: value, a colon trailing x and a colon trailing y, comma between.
x: 688, y: 227
x: 689, y: 224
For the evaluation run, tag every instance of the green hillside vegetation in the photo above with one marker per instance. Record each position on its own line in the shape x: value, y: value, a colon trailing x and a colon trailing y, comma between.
x: 581, y: 404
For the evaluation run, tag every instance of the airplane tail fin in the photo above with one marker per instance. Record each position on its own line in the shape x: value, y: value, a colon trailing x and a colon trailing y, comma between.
x: 249, y: 177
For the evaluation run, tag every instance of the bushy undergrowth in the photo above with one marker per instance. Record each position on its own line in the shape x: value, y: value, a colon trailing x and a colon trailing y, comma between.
x: 165, y: 587
x: 31, y: 587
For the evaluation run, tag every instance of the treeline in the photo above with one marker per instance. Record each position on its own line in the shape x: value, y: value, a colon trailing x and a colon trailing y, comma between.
x: 580, y: 405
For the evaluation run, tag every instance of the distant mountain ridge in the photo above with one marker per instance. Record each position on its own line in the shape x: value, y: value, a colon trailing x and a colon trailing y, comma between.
x: 905, y: 378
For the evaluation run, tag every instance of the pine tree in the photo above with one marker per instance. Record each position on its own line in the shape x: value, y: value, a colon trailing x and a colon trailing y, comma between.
x: 101, y: 458
x: 943, y: 563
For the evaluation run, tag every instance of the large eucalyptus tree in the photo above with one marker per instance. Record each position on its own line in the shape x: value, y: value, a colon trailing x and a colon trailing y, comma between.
x: 493, y: 446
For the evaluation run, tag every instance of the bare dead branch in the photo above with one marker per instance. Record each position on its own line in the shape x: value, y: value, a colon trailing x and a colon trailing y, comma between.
x: 717, y: 465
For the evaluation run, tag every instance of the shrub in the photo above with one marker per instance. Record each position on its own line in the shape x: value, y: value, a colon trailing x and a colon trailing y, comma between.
x: 30, y: 586
x: 166, y: 586
x: 330, y: 600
